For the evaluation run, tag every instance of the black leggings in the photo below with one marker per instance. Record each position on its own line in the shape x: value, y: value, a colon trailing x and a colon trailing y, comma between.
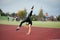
x: 27, y: 20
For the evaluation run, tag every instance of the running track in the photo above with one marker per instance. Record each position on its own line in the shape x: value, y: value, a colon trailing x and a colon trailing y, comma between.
x: 8, y: 32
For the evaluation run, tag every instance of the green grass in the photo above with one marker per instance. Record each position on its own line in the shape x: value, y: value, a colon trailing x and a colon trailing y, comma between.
x: 48, y: 24
x: 3, y: 17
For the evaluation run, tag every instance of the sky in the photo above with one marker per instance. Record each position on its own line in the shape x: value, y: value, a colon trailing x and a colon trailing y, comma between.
x: 52, y: 7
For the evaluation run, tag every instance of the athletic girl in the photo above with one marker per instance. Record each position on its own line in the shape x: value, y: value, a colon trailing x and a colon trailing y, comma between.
x: 28, y: 20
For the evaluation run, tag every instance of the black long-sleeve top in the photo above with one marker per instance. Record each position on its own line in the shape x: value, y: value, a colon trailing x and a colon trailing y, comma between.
x: 30, y: 14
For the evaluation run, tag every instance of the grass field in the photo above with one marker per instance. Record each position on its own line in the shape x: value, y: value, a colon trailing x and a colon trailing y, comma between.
x: 49, y: 24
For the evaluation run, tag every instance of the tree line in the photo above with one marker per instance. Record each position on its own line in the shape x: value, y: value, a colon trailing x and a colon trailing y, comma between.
x: 23, y: 13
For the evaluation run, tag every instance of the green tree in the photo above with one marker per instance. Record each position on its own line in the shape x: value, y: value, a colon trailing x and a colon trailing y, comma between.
x: 22, y: 13
x: 13, y: 14
x: 25, y: 13
x: 52, y: 18
x: 58, y: 18
x: 34, y: 17
x: 41, y: 16
x: 1, y: 12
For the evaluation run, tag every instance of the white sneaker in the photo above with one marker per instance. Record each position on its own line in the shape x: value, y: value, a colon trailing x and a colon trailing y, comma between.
x: 17, y: 28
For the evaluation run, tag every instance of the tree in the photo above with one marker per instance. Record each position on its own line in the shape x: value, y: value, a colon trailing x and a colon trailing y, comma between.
x: 22, y: 13
x: 51, y: 18
x: 25, y: 13
x: 41, y: 16
x: 34, y: 18
x: 2, y: 13
x: 7, y: 14
x: 58, y: 18
x: 13, y: 14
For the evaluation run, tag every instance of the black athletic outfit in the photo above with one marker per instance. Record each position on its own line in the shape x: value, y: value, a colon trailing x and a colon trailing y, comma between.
x: 27, y: 19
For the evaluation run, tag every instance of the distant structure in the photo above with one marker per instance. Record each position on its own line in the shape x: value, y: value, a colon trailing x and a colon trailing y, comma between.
x: 46, y: 17
x: 46, y: 14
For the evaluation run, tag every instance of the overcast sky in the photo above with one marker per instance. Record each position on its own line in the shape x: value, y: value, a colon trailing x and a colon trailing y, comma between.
x: 52, y: 7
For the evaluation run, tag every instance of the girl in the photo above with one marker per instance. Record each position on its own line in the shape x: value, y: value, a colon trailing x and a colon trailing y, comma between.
x: 27, y: 20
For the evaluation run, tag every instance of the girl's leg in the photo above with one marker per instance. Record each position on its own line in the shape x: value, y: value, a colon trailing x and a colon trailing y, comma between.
x: 29, y: 29
x: 20, y: 25
x: 27, y: 25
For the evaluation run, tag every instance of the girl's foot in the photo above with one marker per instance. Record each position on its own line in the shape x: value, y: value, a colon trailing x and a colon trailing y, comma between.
x: 17, y: 28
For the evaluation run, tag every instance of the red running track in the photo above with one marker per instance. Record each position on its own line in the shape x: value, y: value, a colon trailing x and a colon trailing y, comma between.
x: 8, y: 32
